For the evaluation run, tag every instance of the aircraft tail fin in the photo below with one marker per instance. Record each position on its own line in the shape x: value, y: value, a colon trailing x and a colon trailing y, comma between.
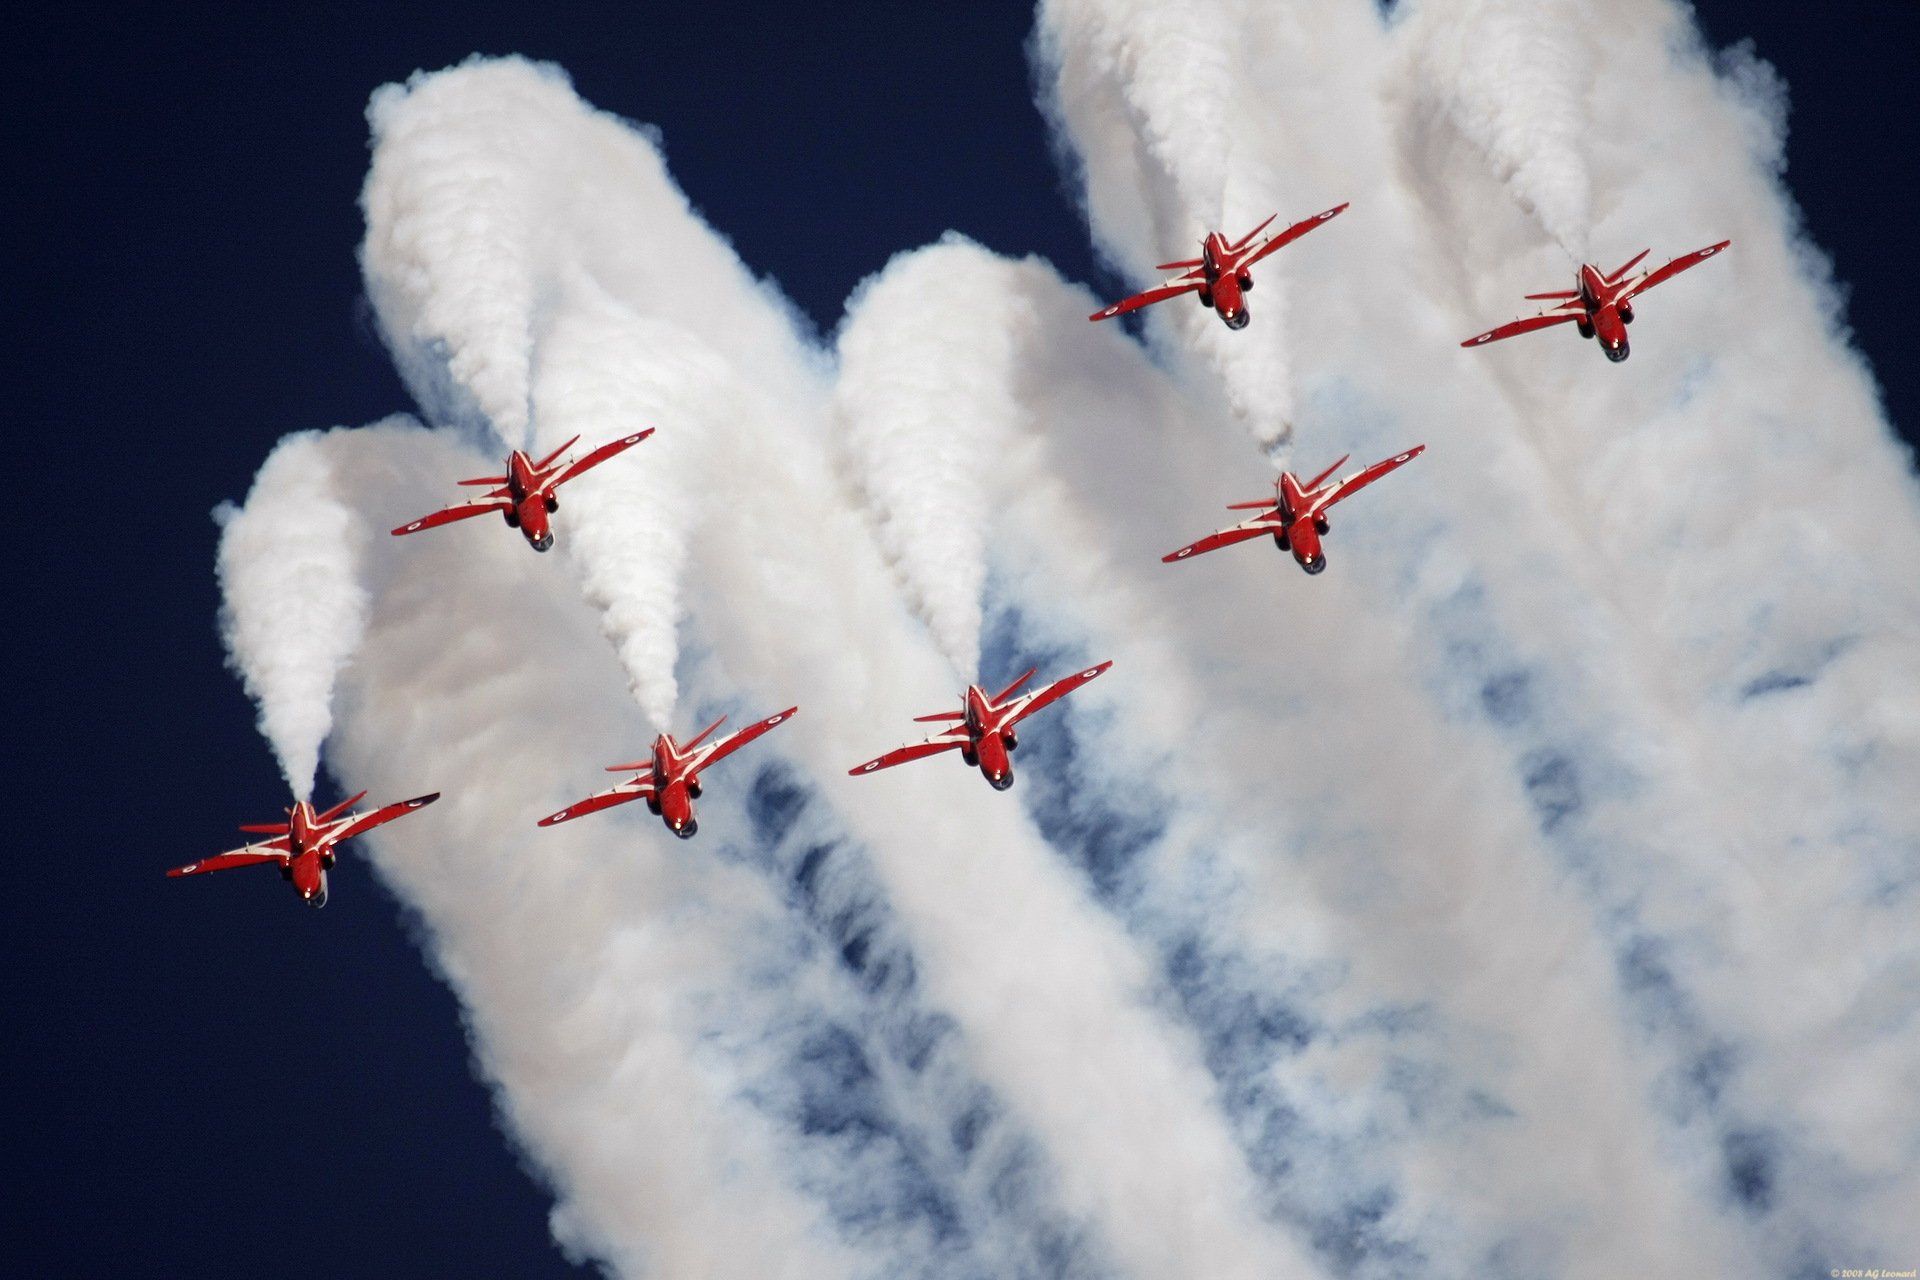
x: 1630, y: 266
x: 1321, y: 479
x: 341, y: 808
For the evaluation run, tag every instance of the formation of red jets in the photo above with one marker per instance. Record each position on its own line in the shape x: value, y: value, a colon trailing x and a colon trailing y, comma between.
x: 982, y: 730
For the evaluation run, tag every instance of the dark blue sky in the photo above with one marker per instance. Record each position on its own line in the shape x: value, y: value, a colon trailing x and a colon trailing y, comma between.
x: 205, y: 1078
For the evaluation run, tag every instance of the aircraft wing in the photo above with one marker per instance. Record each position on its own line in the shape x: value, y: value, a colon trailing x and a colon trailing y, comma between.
x: 460, y: 511
x: 1672, y: 269
x: 737, y: 739
x: 947, y: 740
x: 1546, y: 319
x: 1349, y: 485
x: 1269, y: 244
x: 360, y: 824
x: 633, y: 789
x: 247, y: 856
x: 597, y: 457
x: 1265, y: 523
x: 1059, y: 689
x: 1159, y: 293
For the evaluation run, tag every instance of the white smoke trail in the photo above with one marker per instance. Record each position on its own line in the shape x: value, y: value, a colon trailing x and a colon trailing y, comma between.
x: 1116, y: 1106
x: 584, y: 956
x: 1514, y: 78
x: 1150, y: 88
x: 604, y: 371
x: 294, y: 609
x: 925, y: 412
x: 459, y: 192
x: 497, y: 285
x: 1505, y: 901
x: 1585, y: 567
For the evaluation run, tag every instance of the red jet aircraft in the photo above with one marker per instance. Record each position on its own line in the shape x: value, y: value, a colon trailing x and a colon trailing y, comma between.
x: 1220, y: 274
x: 525, y: 494
x: 984, y: 734
x: 1296, y: 516
x: 304, y: 844
x: 1602, y: 306
x: 670, y: 781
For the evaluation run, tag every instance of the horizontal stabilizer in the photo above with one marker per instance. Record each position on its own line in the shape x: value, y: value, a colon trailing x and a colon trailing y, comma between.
x: 1014, y: 688
x: 341, y: 808
x: 701, y: 737
x: 554, y: 457
x: 1553, y: 297
x: 631, y: 767
x: 939, y: 716
x: 265, y: 828
x: 1247, y: 239
x: 1261, y: 505
x: 1321, y: 479
x: 493, y: 480
x: 1179, y: 266
x: 1616, y: 276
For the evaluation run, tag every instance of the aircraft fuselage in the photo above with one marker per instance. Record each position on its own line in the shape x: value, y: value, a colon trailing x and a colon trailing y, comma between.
x: 989, y: 747
x: 1227, y: 284
x: 311, y: 854
x: 1607, y: 317
x: 531, y: 505
x: 1299, y: 538
x: 673, y: 790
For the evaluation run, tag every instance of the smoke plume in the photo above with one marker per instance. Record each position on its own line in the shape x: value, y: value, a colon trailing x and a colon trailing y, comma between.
x: 1531, y: 894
